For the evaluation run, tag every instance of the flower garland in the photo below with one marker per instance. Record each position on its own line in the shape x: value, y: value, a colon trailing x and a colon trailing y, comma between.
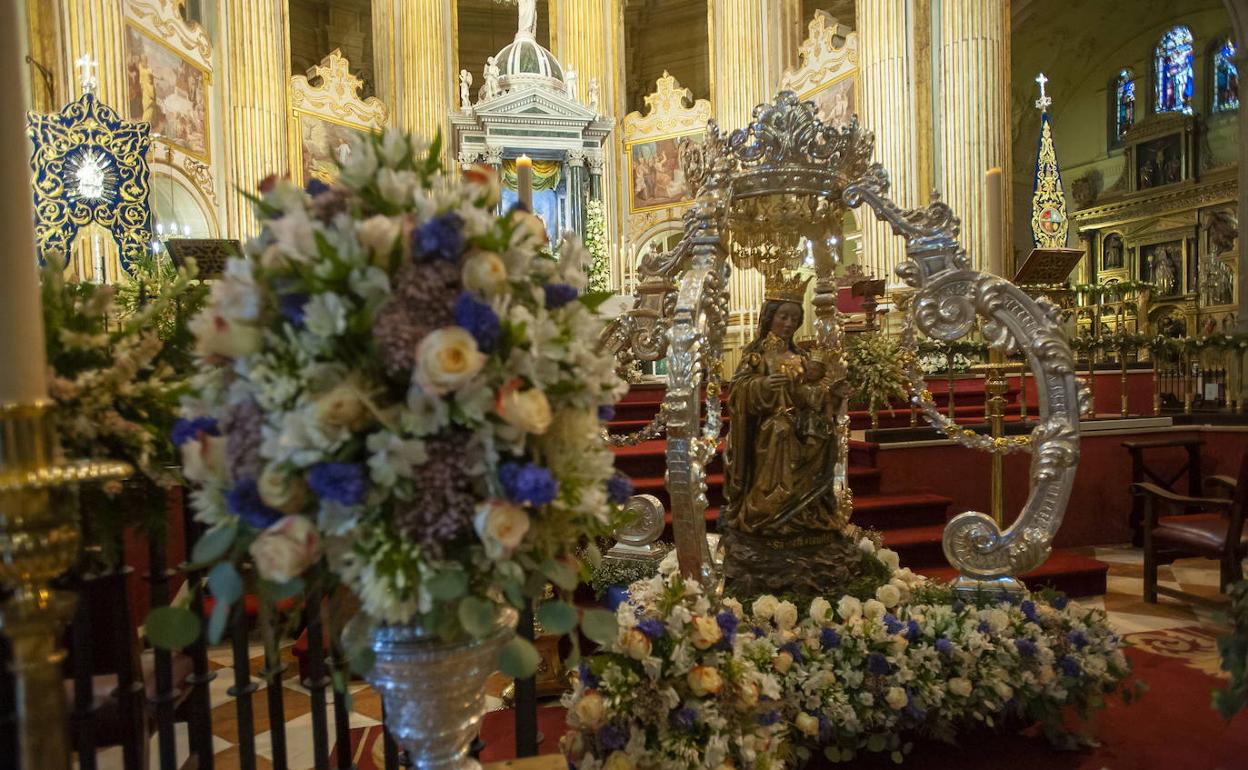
x: 595, y: 244
x: 1233, y: 649
x: 686, y: 684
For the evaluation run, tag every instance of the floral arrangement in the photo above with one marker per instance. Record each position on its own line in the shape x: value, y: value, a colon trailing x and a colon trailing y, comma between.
x: 401, y: 394
x: 595, y: 244
x: 877, y: 372
x: 1233, y: 649
x: 938, y: 363
x: 689, y: 684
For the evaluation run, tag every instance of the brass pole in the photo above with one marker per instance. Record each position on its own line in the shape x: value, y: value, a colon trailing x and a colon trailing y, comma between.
x: 1092, y: 380
x: 1156, y: 386
x: 996, y: 387
x: 1122, y: 359
x: 1188, y: 383
x: 949, y: 380
x: 1022, y: 391
x: 1239, y: 385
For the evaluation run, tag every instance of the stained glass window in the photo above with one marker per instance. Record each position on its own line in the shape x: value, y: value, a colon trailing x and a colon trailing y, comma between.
x: 1225, y: 78
x: 1172, y: 65
x: 1124, y: 103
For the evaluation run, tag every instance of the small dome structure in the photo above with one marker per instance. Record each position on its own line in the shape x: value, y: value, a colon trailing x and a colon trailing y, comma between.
x: 524, y: 62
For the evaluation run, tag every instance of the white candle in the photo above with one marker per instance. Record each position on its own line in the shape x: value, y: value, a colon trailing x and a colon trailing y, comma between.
x: 996, y: 261
x: 22, y: 363
x: 524, y: 180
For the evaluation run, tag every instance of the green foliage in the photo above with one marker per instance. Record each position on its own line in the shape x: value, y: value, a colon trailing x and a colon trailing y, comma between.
x: 596, y: 244
x: 519, y: 658
x: 1234, y: 651
x: 877, y: 375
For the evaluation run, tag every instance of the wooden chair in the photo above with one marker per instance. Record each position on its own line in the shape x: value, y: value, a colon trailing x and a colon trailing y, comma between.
x: 1207, y: 526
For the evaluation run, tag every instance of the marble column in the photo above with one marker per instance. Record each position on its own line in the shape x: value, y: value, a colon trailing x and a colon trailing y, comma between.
x: 576, y: 191
x: 414, y: 56
x: 973, y: 129
x: 94, y: 28
x: 256, y: 75
x: 888, y: 108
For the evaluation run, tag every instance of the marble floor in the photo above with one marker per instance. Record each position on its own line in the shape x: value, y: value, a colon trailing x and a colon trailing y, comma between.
x: 1153, y: 625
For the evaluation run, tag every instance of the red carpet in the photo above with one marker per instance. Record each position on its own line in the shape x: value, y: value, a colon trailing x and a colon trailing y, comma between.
x: 1172, y: 727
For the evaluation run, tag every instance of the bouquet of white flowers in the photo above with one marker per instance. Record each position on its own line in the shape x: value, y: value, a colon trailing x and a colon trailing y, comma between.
x: 401, y: 392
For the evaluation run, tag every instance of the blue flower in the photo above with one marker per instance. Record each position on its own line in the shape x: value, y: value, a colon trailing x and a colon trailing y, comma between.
x: 619, y: 488
x: 1029, y: 610
x: 345, y: 483
x: 944, y: 646
x: 587, y: 677
x: 292, y: 306
x: 958, y: 605
x: 652, y: 628
x: 878, y: 664
x: 829, y: 639
x: 892, y: 624
x: 189, y: 430
x: 1077, y: 639
x: 914, y: 711
x: 913, y: 632
x: 983, y: 627
x: 244, y: 502
x: 794, y: 649
x: 529, y: 484
x: 479, y: 319
x: 684, y: 719
x: 606, y: 413
x: 1059, y: 602
x: 1069, y: 666
x: 440, y: 238
x: 727, y: 624
x: 1025, y: 647
x: 758, y: 632
x: 612, y: 738
x: 558, y: 295
x: 769, y: 718
x: 315, y: 187
x: 614, y: 597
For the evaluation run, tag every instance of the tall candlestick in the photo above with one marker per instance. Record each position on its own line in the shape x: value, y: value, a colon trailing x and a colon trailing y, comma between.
x: 996, y: 258
x: 524, y: 180
x: 21, y: 344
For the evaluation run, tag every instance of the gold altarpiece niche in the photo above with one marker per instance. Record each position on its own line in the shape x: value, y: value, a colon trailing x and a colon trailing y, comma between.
x: 326, y: 113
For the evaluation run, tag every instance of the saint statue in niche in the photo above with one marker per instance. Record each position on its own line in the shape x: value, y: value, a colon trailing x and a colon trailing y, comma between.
x: 780, y: 463
x: 1161, y: 271
x: 1112, y: 259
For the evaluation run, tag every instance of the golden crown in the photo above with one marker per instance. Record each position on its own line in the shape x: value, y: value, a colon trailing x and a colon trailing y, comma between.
x: 791, y: 289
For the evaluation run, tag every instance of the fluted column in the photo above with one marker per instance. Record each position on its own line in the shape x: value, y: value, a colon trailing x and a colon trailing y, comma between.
x: 256, y: 78
x: 420, y: 69
x: 973, y: 131
x: 95, y: 28
x: 384, y: 53
x: 786, y: 31
x: 887, y: 107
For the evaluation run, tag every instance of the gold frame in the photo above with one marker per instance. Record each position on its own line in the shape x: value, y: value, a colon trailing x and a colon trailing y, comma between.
x: 206, y: 157
x: 296, y: 137
x: 628, y: 158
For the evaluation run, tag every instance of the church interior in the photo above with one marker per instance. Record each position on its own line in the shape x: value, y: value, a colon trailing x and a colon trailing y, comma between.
x: 614, y: 384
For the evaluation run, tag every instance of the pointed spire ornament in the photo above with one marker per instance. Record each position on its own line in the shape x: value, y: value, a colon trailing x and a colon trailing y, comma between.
x: 1048, y: 201
x: 86, y: 76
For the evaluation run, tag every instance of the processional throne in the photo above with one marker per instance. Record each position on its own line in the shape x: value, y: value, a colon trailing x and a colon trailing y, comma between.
x: 786, y: 176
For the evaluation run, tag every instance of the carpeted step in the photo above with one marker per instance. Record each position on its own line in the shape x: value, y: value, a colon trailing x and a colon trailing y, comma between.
x: 918, y: 547
x: 908, y: 509
x: 1070, y: 572
x: 863, y: 481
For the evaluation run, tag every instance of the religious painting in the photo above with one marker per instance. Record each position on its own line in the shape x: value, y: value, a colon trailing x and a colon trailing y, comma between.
x: 323, y: 144
x: 1161, y: 264
x: 656, y: 179
x: 168, y: 91
x: 836, y: 102
x: 1113, y: 256
x: 1159, y: 162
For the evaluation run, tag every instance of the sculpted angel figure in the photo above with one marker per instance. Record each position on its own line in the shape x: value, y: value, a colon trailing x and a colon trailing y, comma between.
x: 465, y: 93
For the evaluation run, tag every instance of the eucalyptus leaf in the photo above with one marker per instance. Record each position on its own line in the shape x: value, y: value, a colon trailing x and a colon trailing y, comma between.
x: 214, y: 544
x: 519, y: 658
x: 448, y: 586
x: 593, y: 556
x: 476, y: 615
x: 560, y: 574
x: 225, y: 583
x: 557, y: 617
x: 217, y: 621
x: 600, y: 626
x: 172, y: 628
x: 362, y: 660
x: 594, y: 299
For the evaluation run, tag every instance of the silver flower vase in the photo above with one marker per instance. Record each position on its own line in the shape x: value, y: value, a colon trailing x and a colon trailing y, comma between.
x: 433, y: 690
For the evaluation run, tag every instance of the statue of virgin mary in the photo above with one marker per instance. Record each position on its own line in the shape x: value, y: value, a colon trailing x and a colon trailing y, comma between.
x: 528, y: 17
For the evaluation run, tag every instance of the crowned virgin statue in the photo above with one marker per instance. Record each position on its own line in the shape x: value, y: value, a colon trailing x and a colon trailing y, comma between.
x: 780, y: 480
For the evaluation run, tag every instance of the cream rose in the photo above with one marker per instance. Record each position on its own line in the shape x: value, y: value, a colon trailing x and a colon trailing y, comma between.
x: 591, y: 710
x: 849, y: 608
x: 896, y: 698
x: 873, y: 608
x: 485, y: 179
x: 216, y: 335
x: 733, y: 606
x: 619, y: 761
x: 866, y: 545
x: 282, y: 491
x: 341, y: 407
x: 446, y: 359
x: 889, y: 557
x: 203, y: 459
x: 705, y: 680
x: 764, y: 607
x: 636, y: 644
x: 783, y: 661
x: 704, y: 632
x: 960, y: 686
x: 283, y: 551
x: 377, y: 235
x: 820, y: 609
x: 785, y: 615
x: 501, y: 527
x: 572, y: 745
x: 888, y: 595
x: 528, y: 410
x: 485, y: 272
x: 747, y: 695
x: 807, y: 724
x: 1003, y: 689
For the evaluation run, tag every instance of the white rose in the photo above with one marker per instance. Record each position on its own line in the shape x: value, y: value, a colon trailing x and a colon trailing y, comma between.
x: 528, y: 410
x: 733, y: 606
x: 635, y: 643
x: 1003, y: 689
x: 785, y: 615
x: 217, y: 335
x: 902, y: 587
x: 764, y: 607
x: 866, y: 545
x: 747, y: 695
x: 807, y: 724
x: 446, y: 359
x: 203, y: 459
x: 820, y: 609
x: 485, y: 180
x: 960, y: 686
x: 889, y: 557
x: 783, y: 661
x: 704, y: 632
x: 619, y: 761
x: 1046, y: 674
x: 287, y: 548
x: 896, y: 698
x: 997, y: 620
x: 501, y: 527
x: 591, y: 710
x: 888, y: 595
x: 396, y: 186
x: 849, y: 608
x: 485, y: 272
x: 705, y: 680
x: 340, y: 407
x: 282, y: 491
x: 377, y: 235
x: 873, y: 609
